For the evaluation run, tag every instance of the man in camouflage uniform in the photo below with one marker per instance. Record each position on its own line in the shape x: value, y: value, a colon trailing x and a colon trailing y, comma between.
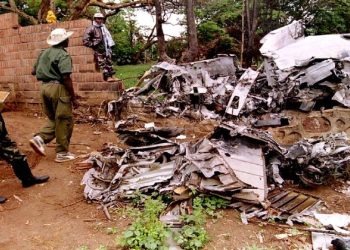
x: 53, y: 68
x: 10, y: 153
x: 100, y: 40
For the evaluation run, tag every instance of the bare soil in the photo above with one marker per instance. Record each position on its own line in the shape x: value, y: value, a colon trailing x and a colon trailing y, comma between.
x: 55, y: 215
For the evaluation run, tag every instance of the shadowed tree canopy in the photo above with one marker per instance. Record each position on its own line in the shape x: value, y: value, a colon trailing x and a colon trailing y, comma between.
x: 35, y: 11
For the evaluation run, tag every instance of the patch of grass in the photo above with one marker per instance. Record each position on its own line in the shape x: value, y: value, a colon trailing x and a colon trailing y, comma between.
x: 130, y: 74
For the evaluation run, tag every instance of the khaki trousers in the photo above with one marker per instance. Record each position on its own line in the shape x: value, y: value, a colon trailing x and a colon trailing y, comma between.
x: 58, y: 108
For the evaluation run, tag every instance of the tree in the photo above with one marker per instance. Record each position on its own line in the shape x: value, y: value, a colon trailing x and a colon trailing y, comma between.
x: 159, y: 29
x: 34, y: 11
x: 191, y: 31
x: 251, y: 8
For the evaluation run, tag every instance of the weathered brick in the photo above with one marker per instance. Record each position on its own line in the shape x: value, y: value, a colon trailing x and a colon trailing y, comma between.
x: 81, y: 23
x: 79, y: 50
x: 19, y: 49
x: 85, y: 68
x: 27, y: 86
x: 100, y: 86
x: 8, y: 20
x: 76, y: 42
x: 30, y: 29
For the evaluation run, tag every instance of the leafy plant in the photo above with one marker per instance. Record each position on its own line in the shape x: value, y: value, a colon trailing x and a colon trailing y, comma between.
x: 211, y: 204
x: 193, y: 236
x: 147, y: 231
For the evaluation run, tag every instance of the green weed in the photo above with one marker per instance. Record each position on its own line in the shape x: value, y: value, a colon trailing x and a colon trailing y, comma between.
x: 147, y: 231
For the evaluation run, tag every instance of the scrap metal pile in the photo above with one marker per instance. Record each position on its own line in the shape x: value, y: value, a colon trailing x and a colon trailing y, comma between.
x: 298, y: 72
x: 243, y: 165
x: 237, y: 163
x: 215, y: 165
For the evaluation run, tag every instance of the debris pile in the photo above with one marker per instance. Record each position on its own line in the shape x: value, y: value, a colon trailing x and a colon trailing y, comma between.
x: 305, y: 72
x: 242, y: 165
x: 317, y: 161
x: 237, y: 163
x: 298, y: 72
x: 221, y: 165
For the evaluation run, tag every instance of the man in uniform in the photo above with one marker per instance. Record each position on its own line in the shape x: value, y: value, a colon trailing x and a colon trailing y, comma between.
x: 53, y: 68
x: 10, y: 153
x: 100, y: 40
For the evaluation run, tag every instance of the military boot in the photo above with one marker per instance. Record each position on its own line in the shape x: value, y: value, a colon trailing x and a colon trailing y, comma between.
x: 23, y: 172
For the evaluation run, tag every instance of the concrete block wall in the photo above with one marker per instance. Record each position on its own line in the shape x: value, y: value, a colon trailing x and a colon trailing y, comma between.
x: 19, y: 49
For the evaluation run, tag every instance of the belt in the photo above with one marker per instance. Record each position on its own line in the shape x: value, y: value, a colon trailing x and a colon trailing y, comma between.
x: 52, y: 81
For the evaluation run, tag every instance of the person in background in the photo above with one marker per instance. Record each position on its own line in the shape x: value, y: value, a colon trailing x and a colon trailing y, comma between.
x: 100, y: 40
x: 11, y: 154
x: 53, y: 68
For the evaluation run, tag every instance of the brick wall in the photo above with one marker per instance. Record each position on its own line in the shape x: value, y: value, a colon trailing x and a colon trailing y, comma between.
x: 19, y: 49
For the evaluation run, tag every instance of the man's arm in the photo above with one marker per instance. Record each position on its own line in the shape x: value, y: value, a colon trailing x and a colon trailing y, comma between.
x: 67, y: 82
x: 87, y: 39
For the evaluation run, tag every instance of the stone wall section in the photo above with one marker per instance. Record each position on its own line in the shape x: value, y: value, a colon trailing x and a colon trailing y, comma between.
x: 19, y: 49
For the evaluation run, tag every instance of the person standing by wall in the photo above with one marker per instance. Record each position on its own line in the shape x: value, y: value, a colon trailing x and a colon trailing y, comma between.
x: 53, y: 68
x: 100, y: 40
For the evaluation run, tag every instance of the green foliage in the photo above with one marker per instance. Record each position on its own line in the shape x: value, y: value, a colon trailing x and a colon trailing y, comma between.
x: 175, y: 47
x: 209, y: 30
x: 130, y: 74
x: 126, y: 36
x: 147, y: 231
x: 211, y: 203
x: 330, y: 17
x: 192, y: 235
x: 224, y: 13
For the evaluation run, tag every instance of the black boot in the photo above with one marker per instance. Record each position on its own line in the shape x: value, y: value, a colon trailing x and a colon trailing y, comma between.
x: 2, y: 199
x: 23, y: 172
x: 35, y: 180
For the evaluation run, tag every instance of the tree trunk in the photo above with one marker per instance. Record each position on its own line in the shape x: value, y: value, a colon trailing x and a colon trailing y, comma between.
x: 160, y: 34
x: 243, y: 31
x: 43, y: 9
x: 252, y: 9
x: 191, y: 31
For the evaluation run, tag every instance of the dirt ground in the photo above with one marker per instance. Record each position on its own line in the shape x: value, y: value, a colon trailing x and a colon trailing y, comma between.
x: 55, y: 215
